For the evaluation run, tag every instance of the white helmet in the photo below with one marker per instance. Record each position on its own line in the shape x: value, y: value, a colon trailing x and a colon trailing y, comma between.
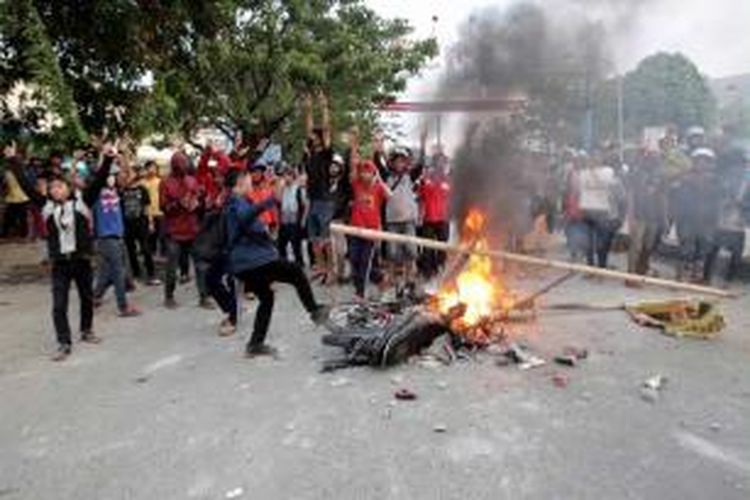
x: 703, y: 153
x: 695, y: 131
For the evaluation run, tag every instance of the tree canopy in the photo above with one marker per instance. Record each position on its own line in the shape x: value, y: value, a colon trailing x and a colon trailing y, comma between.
x: 667, y: 89
x: 148, y: 66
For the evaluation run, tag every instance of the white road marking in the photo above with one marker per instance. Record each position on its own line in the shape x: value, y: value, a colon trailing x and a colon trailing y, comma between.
x: 711, y: 451
x: 163, y: 363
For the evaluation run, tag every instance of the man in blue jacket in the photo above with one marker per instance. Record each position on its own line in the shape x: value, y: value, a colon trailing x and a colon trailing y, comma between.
x: 255, y: 260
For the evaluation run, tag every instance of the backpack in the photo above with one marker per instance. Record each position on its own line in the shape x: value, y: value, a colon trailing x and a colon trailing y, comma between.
x: 212, y: 241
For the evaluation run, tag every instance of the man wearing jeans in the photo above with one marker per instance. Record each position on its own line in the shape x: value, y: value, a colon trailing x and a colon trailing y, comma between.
x: 110, y: 230
x: 401, y: 213
x: 180, y: 198
x: 320, y: 194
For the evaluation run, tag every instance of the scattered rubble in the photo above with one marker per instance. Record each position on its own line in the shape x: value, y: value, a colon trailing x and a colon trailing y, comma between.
x: 340, y: 382
x: 651, y: 388
x: 560, y: 380
x: 404, y: 394
x: 571, y: 356
x: 566, y: 360
x: 523, y: 357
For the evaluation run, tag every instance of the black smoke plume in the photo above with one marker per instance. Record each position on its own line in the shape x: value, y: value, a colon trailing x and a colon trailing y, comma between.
x: 550, y: 59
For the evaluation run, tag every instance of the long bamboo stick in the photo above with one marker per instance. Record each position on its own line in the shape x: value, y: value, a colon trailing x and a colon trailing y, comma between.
x: 372, y: 234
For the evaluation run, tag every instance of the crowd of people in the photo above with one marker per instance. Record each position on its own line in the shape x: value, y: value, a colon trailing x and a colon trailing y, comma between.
x: 249, y: 218
x: 244, y: 218
x: 693, y: 189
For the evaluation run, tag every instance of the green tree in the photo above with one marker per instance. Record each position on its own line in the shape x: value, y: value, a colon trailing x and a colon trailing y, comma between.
x: 151, y: 65
x: 667, y: 89
x: 27, y: 55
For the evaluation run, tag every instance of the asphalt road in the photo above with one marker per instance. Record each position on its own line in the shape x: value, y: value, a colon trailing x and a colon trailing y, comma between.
x: 165, y: 409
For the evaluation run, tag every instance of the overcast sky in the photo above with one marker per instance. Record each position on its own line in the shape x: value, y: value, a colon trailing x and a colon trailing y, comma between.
x: 713, y: 33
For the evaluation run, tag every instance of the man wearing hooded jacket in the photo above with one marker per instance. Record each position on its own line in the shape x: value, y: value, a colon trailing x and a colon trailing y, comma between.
x: 180, y: 197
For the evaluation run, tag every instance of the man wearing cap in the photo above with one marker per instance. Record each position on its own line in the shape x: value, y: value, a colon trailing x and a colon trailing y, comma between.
x: 695, y: 211
x: 180, y: 197
x: 369, y: 194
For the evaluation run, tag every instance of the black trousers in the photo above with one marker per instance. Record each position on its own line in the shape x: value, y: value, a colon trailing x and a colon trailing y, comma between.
x: 734, y: 243
x: 63, y: 272
x: 136, y: 237
x: 184, y: 260
x: 16, y: 220
x: 220, y: 285
x: 259, y: 281
x: 431, y: 261
x: 361, y: 254
x: 291, y: 234
x: 156, y: 238
x: 175, y: 252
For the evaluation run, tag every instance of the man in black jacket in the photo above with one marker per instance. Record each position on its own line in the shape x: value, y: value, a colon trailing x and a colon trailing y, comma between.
x: 67, y: 216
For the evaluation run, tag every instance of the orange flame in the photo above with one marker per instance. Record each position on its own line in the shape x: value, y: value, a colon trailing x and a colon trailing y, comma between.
x: 474, y: 287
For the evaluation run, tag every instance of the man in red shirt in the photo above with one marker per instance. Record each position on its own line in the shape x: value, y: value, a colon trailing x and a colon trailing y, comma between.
x: 434, y: 192
x: 369, y: 193
x: 180, y: 197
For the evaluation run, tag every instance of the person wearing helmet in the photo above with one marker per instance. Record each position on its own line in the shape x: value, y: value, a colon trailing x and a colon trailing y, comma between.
x: 694, y: 209
x: 401, y: 214
x: 695, y: 138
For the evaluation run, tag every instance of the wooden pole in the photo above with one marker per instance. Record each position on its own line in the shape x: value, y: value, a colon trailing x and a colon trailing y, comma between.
x: 372, y: 234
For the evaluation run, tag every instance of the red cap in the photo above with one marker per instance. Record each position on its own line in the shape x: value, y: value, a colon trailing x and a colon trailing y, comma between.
x: 368, y: 166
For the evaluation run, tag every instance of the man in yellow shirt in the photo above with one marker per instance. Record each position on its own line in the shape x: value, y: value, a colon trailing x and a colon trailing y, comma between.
x: 16, y: 208
x: 151, y: 181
